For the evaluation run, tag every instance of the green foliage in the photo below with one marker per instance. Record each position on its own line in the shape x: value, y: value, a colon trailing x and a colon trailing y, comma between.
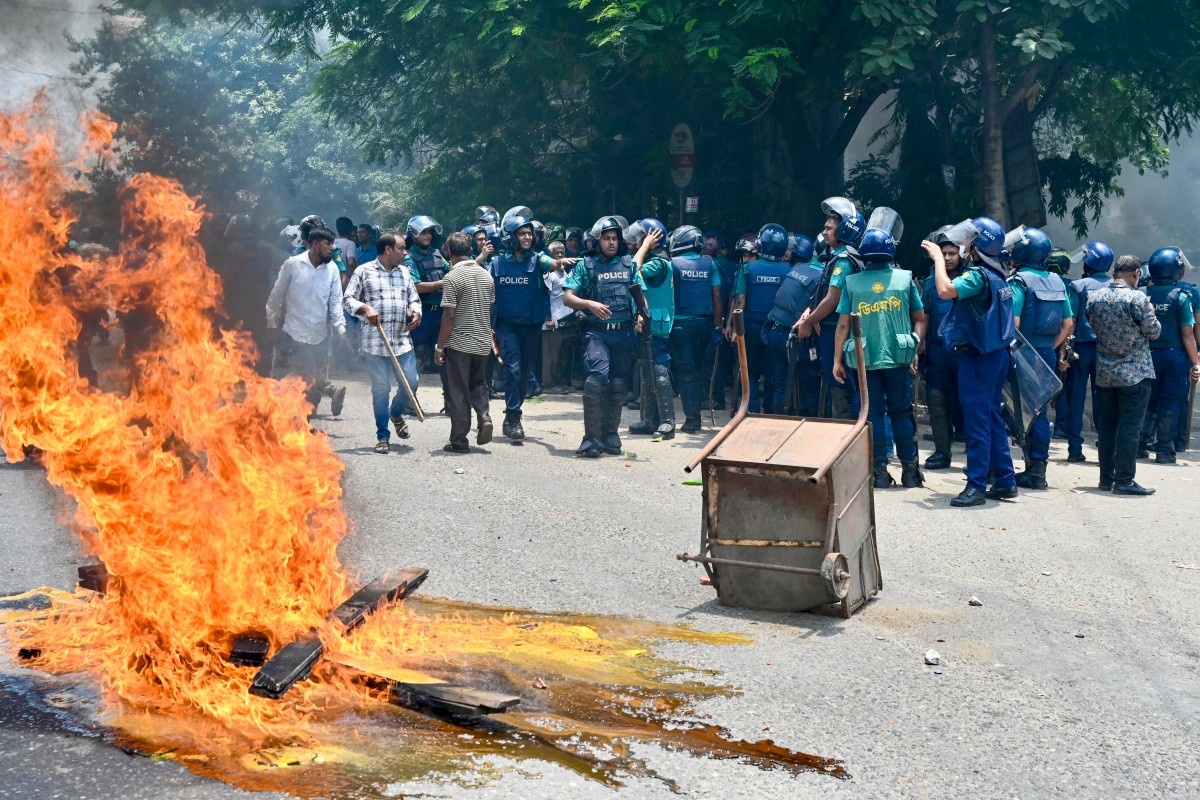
x: 233, y: 123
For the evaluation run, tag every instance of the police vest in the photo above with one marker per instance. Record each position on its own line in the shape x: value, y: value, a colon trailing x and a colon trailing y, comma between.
x: 880, y: 297
x: 519, y: 290
x: 430, y: 267
x: 661, y: 302
x: 763, y: 279
x: 693, y: 285
x: 1088, y: 283
x: 985, y: 331
x: 843, y: 261
x: 1042, y: 314
x: 608, y: 283
x: 938, y: 309
x: 795, y: 294
x: 1165, y: 299
x: 729, y: 271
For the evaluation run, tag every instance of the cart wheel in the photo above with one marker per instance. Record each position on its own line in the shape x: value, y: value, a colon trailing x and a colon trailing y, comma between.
x: 835, y: 571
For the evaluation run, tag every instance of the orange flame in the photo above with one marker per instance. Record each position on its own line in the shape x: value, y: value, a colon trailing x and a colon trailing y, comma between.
x: 202, y: 489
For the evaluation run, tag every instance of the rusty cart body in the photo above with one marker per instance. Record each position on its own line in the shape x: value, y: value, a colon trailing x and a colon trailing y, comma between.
x: 788, y: 521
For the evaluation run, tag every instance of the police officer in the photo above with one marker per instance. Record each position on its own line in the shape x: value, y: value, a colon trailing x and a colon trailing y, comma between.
x: 794, y: 365
x: 720, y: 357
x: 844, y: 227
x: 754, y: 293
x: 698, y: 316
x: 1097, y: 261
x: 423, y: 235
x: 1193, y: 293
x: 889, y: 305
x: 1173, y: 352
x: 657, y: 393
x: 981, y: 326
x: 601, y: 286
x: 519, y: 310
x: 1043, y: 314
x: 941, y: 360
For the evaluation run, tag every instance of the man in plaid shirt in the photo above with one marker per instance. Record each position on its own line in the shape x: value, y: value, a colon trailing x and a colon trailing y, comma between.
x: 383, y: 292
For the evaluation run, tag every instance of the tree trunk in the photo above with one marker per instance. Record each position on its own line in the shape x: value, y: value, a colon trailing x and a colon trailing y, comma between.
x: 995, y: 200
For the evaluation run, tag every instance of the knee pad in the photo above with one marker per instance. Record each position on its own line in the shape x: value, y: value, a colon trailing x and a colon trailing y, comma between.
x: 617, y: 386
x: 595, y: 386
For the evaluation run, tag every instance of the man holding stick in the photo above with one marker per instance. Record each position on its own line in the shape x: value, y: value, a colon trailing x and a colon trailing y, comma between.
x: 464, y: 343
x: 384, y: 293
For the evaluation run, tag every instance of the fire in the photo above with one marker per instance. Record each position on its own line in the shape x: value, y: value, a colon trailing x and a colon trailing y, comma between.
x: 201, y: 488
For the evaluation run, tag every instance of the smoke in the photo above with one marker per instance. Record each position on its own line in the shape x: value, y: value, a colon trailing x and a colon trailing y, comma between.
x: 35, y: 57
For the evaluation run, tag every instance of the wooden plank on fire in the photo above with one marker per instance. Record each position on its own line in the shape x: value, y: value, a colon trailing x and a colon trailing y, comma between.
x: 423, y: 692
x: 295, y: 660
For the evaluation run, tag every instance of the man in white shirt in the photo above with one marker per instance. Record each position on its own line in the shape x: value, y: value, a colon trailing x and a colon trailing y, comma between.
x: 306, y: 302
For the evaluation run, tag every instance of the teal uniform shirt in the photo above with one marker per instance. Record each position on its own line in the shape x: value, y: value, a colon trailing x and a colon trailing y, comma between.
x: 1019, y: 294
x: 972, y: 287
x: 578, y: 281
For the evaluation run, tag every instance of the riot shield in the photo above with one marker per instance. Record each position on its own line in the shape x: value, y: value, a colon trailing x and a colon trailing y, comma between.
x: 1037, y: 383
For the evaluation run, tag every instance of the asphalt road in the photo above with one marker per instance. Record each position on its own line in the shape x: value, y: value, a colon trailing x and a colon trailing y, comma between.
x: 1077, y: 677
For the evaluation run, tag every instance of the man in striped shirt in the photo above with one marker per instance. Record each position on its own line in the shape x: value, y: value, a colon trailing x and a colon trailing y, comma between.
x: 383, y: 292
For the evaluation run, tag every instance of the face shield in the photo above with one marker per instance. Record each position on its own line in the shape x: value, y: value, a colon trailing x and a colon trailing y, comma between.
x: 1015, y: 236
x: 524, y: 212
x: 888, y: 221
x: 962, y: 234
x: 1187, y: 265
x: 840, y: 207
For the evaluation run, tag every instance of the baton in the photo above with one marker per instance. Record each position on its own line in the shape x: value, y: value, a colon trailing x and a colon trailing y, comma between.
x: 412, y: 398
x: 712, y: 384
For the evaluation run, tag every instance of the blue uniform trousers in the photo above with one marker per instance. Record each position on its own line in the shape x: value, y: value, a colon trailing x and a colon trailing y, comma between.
x: 807, y: 377
x: 981, y: 380
x: 607, y: 353
x: 689, y: 341
x: 842, y: 400
x: 1079, y: 377
x: 1038, y: 438
x: 890, y: 399
x: 1168, y: 398
x: 519, y: 347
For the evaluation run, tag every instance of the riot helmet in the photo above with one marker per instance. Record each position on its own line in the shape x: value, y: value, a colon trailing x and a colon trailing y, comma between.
x: 685, y: 239
x: 637, y: 231
x: 887, y: 220
x: 1167, y: 264
x: 940, y: 238
x: 713, y: 242
x: 1096, y: 257
x: 512, y: 224
x: 772, y: 242
x: 307, y: 224
x: 850, y: 220
x: 1059, y: 261
x: 470, y: 231
x: 802, y: 247
x: 877, y: 246
x: 487, y: 214
x: 418, y: 225
x: 746, y: 246
x: 609, y: 223
x: 1031, y: 248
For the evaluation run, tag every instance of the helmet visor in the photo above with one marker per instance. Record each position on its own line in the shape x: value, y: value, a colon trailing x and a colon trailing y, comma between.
x: 962, y: 234
x: 1078, y: 254
x: 1187, y: 265
x: 840, y: 207
x: 888, y: 221
x: 1014, y: 236
x: 517, y: 211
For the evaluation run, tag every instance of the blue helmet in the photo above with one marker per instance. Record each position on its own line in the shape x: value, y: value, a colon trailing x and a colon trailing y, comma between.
x: 1097, y: 257
x: 494, y: 235
x: 802, y: 247
x: 487, y: 214
x: 638, y: 230
x: 685, y: 239
x: 512, y: 223
x: 772, y: 242
x: 989, y: 236
x: 1031, y: 249
x: 851, y: 222
x: 877, y: 246
x: 470, y: 231
x: 1166, y: 264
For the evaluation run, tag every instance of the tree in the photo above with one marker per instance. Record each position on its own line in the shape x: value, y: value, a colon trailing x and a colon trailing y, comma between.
x: 234, y: 124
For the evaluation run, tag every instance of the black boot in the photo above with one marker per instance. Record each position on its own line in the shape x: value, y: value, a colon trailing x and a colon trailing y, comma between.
x: 691, y: 424
x: 665, y: 395
x: 648, y: 424
x: 939, y: 426
x: 613, y: 401
x: 883, y: 479
x: 910, y: 475
x: 593, y: 419
x: 1034, y: 476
